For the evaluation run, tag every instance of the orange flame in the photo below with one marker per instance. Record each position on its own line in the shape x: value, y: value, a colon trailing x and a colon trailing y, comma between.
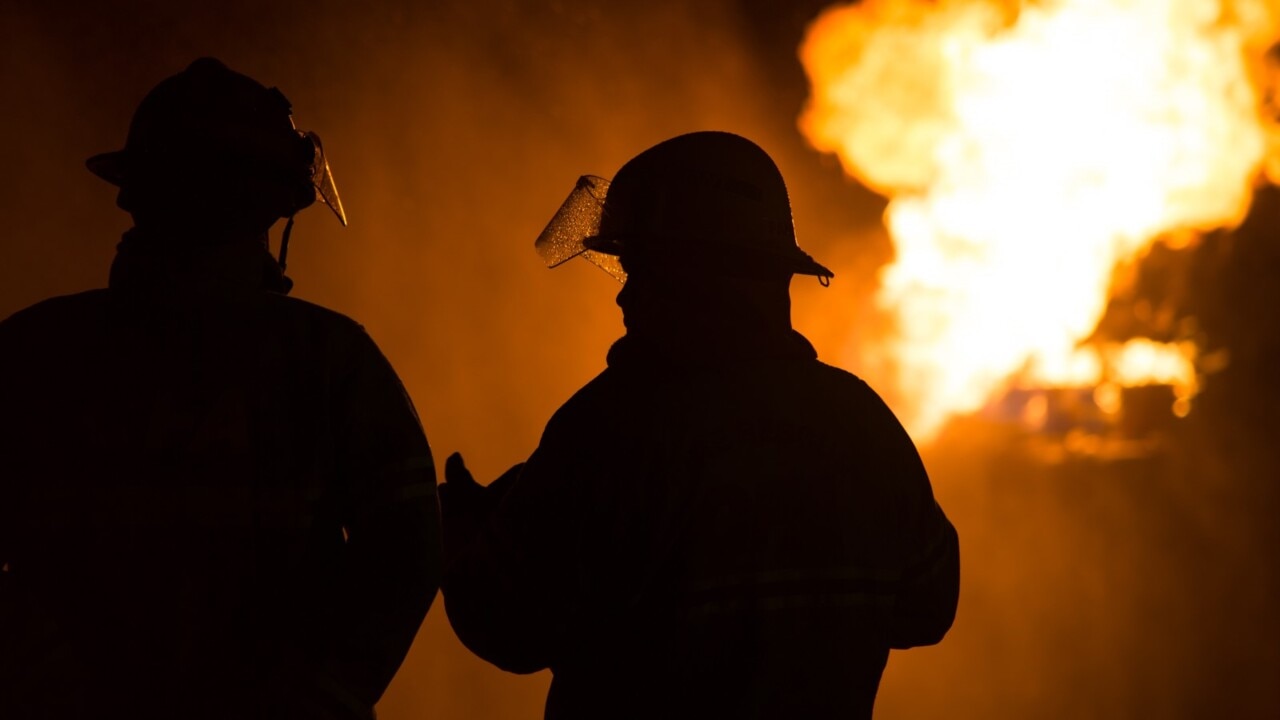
x: 1027, y: 150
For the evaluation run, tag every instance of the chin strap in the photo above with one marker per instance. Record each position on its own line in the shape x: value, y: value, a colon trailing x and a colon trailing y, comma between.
x: 284, y: 255
x: 284, y: 244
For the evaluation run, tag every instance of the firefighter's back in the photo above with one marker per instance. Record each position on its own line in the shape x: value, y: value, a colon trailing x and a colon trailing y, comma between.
x: 753, y: 555
x: 175, y: 475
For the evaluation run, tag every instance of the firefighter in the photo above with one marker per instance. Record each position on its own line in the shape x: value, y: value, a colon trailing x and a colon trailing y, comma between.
x: 217, y: 501
x: 718, y: 525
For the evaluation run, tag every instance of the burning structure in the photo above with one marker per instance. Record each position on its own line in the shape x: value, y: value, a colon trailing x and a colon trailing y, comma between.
x: 1065, y: 180
x: 1033, y: 155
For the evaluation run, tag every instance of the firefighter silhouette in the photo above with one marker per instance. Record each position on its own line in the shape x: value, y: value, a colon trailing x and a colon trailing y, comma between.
x: 217, y: 501
x: 718, y: 525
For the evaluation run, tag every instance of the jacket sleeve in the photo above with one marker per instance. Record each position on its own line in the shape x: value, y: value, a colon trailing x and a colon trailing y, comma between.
x: 928, y: 587
x: 391, y: 566
x: 34, y: 646
x: 509, y: 588
x: 10, y: 472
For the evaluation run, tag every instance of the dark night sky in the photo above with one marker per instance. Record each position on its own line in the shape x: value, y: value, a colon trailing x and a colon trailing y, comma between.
x: 1146, y: 588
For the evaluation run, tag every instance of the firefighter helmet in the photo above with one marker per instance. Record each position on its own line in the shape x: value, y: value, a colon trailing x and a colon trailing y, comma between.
x: 712, y: 200
x: 209, y: 127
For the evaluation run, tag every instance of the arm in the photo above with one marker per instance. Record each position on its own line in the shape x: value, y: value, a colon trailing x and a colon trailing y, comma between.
x: 511, y: 570
x: 34, y: 650
x: 391, y: 565
x: 929, y: 586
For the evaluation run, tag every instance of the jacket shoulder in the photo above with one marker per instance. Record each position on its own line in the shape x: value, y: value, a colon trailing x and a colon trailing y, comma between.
x: 313, y: 325
x: 56, y: 310
x: 600, y: 392
x: 313, y: 313
x: 842, y: 384
x: 839, y: 376
x: 59, y: 305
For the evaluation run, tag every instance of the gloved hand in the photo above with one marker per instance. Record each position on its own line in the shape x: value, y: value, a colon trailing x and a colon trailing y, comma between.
x: 461, y: 494
x: 466, y: 504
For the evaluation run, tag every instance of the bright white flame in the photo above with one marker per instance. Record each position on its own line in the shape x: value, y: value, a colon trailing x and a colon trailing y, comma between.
x: 1027, y: 151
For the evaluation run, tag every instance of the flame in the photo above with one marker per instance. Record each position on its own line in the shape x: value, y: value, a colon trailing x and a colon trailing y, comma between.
x: 1028, y: 150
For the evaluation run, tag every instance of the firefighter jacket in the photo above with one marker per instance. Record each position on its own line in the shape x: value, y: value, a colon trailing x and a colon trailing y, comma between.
x: 745, y: 533
x: 215, y: 500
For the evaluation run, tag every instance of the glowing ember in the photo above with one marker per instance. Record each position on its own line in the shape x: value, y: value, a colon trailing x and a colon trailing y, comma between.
x: 1026, y: 151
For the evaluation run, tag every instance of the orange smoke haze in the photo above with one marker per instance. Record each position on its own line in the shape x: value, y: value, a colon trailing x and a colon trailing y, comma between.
x: 456, y: 128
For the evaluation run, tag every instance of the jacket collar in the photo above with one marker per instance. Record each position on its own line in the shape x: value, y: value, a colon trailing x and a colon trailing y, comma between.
x: 633, y: 351
x: 144, y: 261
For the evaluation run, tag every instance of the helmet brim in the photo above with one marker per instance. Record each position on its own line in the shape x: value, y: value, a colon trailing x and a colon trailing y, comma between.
x: 110, y: 166
x: 114, y: 168
x: 798, y: 262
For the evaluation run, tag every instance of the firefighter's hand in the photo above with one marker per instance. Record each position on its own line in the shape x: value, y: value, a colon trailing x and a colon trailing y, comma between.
x: 461, y: 494
x: 466, y: 505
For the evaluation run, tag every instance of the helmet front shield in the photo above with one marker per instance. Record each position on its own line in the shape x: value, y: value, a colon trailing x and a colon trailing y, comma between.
x: 578, y: 220
x: 322, y: 179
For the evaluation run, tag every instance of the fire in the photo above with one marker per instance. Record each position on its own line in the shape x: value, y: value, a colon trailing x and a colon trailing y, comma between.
x: 1027, y: 151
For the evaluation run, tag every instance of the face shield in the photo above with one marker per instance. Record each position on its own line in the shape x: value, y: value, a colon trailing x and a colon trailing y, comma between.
x: 325, y: 191
x: 578, y: 220
x: 322, y: 179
